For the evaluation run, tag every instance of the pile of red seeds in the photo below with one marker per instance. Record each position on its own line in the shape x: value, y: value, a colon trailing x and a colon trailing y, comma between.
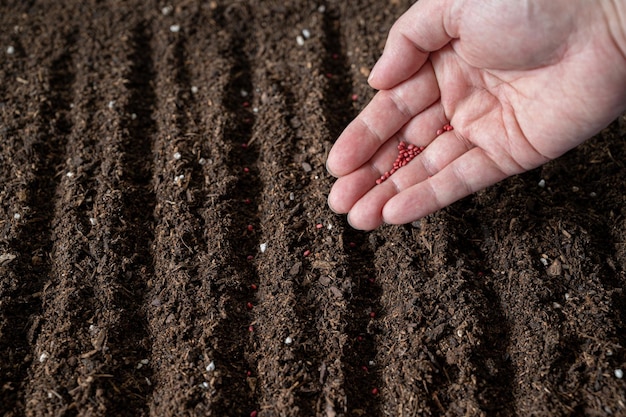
x: 408, y: 152
x: 405, y: 154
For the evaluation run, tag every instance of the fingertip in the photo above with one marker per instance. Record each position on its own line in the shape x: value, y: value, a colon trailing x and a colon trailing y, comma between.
x: 330, y: 171
x: 363, y: 224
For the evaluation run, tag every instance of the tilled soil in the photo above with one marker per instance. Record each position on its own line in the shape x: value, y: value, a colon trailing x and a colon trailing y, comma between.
x: 166, y: 248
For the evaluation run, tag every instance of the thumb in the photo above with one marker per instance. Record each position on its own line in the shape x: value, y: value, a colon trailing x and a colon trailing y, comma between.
x: 419, y: 31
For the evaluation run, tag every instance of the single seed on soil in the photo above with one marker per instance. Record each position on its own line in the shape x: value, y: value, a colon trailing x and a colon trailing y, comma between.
x: 250, y: 257
x: 619, y: 374
x: 300, y: 40
x: 354, y: 97
x: 194, y: 89
x: 177, y: 155
x: 319, y: 226
x: 263, y: 247
x: 250, y: 328
x: 210, y: 367
x: 542, y: 183
x: 253, y: 413
x: 374, y: 391
x: 17, y: 216
x: 246, y: 169
x: 250, y: 228
x: 248, y: 374
x: 166, y: 10
x: 306, y: 33
x: 254, y: 287
x: 10, y: 50
x: 321, y: 9
x: 249, y: 305
x: 372, y: 314
x: 288, y: 340
x: 175, y: 28
x: 307, y: 252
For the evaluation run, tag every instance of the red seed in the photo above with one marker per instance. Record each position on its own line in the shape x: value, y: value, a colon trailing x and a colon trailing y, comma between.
x: 248, y: 373
x: 319, y: 226
x: 250, y: 228
x: 250, y: 257
x: 359, y: 338
x: 247, y: 201
x: 244, y: 145
x: 246, y: 104
x: 352, y: 244
x: 439, y: 132
x: 335, y: 56
x: 364, y: 368
x: 253, y: 287
x: 371, y: 280
x: 329, y: 75
x: 251, y: 328
x: 355, y: 97
x: 374, y: 391
x: 249, y: 305
x: 253, y: 413
x: 372, y: 314
x: 246, y: 169
x: 306, y: 252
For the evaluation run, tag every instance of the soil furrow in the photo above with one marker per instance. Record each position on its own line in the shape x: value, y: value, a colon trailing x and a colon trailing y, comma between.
x: 191, y: 382
x: 60, y: 377
x: 31, y: 239
x: 284, y: 368
x: 415, y: 333
x: 122, y: 226
x: 481, y: 324
x: 233, y: 275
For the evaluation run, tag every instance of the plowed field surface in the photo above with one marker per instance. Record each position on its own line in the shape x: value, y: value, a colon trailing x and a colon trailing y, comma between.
x: 166, y: 248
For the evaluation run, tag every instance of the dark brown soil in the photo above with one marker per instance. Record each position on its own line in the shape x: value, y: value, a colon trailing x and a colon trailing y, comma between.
x: 152, y: 265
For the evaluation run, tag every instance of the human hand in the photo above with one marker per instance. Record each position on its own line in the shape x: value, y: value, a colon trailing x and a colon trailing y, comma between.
x: 520, y: 82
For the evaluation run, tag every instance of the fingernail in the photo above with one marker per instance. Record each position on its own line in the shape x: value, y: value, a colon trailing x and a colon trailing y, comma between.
x: 372, y: 72
x: 329, y: 170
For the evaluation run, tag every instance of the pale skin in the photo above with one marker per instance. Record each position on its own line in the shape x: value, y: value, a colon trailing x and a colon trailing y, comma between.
x: 521, y: 82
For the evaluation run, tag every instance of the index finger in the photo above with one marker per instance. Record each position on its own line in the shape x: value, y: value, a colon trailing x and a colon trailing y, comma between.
x: 422, y: 29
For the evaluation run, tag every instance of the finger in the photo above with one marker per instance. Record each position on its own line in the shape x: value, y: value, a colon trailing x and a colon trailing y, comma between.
x: 380, y: 120
x: 419, y: 31
x: 367, y: 213
x: 348, y: 189
x: 471, y: 172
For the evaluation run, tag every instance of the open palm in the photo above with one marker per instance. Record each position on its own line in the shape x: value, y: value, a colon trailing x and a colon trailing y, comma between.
x: 521, y: 82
